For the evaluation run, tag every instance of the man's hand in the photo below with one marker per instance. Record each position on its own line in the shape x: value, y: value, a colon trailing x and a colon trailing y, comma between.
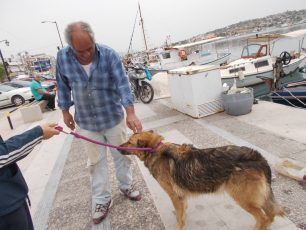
x: 49, y: 130
x: 133, y: 123
x: 132, y: 120
x: 68, y: 119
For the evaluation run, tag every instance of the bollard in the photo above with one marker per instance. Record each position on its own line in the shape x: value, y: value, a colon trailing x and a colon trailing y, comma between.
x: 9, y: 120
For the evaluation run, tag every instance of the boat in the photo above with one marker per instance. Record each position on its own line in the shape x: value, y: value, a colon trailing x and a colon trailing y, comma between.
x: 256, y: 60
x: 173, y: 57
x: 293, y: 94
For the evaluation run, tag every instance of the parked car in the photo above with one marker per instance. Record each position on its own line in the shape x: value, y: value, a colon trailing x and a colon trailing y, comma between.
x: 18, y: 83
x: 26, y: 82
x: 14, y: 96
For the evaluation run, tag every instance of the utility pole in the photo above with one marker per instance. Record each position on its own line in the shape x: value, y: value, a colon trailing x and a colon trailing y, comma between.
x: 59, y: 35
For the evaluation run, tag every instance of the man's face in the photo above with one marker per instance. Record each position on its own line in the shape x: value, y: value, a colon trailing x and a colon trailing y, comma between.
x: 37, y: 78
x: 83, y: 47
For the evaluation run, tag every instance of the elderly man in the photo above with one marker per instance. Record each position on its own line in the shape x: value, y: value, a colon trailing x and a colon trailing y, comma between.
x: 40, y: 93
x: 93, y: 74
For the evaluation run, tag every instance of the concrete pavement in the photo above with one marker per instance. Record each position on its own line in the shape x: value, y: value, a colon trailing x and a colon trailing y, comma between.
x: 60, y: 186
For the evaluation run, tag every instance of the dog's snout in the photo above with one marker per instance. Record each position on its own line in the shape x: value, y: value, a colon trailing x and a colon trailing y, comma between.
x: 123, y: 151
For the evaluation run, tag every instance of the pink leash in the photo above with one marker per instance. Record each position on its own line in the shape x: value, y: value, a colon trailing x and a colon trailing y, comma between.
x: 59, y: 128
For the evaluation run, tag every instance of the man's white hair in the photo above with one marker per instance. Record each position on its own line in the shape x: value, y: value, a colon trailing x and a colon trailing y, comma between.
x: 85, y: 27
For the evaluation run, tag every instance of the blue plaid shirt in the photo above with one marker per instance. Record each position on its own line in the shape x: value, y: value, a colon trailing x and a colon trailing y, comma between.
x: 99, y: 97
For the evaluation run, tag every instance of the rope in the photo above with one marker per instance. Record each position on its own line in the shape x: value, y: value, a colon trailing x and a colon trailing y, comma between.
x: 295, y: 97
x: 59, y: 128
x: 288, y: 101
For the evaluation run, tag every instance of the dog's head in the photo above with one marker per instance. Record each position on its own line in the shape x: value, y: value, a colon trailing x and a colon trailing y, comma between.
x: 147, y: 139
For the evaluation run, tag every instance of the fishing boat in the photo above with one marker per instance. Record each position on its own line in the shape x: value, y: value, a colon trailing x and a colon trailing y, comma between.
x: 256, y: 59
x: 173, y: 57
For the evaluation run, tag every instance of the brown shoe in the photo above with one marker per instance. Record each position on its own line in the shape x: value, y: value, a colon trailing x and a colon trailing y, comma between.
x: 101, y: 212
x: 132, y: 194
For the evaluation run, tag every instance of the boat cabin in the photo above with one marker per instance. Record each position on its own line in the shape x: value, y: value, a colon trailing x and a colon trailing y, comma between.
x: 255, y: 51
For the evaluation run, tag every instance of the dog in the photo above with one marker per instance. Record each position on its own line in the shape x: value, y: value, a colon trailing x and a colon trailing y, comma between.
x: 184, y: 171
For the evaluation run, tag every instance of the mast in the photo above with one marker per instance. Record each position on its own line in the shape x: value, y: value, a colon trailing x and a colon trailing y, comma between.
x: 130, y: 45
x: 143, y: 32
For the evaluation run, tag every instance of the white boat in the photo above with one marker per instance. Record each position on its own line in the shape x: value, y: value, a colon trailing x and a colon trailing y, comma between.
x: 187, y: 54
x: 256, y: 60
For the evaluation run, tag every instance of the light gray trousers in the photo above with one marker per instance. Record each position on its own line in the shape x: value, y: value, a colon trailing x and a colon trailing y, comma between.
x: 97, y: 162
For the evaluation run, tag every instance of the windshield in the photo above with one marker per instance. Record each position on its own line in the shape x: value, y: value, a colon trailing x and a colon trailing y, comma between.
x: 22, y: 83
x: 6, y: 88
x: 250, y: 50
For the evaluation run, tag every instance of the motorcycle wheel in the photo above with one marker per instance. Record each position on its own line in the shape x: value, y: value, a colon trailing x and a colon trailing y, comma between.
x: 146, y: 94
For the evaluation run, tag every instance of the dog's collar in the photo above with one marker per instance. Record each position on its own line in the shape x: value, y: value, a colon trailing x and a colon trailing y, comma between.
x: 156, y: 146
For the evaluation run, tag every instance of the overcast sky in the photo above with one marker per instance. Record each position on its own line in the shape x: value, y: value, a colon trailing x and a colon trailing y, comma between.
x: 112, y: 20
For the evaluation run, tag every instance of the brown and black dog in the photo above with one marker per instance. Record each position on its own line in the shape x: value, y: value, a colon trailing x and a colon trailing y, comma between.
x: 184, y: 171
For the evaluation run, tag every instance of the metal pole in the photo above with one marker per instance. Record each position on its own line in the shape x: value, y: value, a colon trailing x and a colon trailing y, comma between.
x: 143, y: 32
x: 9, y: 120
x: 130, y: 45
x: 4, y: 65
x: 59, y: 34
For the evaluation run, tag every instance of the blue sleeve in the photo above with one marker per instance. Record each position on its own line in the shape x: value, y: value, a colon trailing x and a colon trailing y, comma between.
x: 121, y: 80
x: 19, y: 146
x: 63, y: 88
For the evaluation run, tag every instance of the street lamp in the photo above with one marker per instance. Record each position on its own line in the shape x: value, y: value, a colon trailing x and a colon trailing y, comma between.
x: 57, y: 30
x: 4, y: 63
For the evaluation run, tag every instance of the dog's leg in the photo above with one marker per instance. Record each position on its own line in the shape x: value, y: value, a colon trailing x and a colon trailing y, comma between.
x: 250, y: 192
x: 179, y: 203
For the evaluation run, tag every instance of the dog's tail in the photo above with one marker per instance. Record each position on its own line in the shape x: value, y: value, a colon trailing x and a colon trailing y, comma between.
x: 250, y: 158
x: 253, y: 159
x: 272, y: 208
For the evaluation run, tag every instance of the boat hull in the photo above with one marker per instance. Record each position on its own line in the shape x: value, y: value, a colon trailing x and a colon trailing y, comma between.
x: 293, y: 94
x: 254, y: 78
x: 193, y: 60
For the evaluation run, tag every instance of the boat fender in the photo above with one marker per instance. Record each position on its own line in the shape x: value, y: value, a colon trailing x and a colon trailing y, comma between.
x: 183, y: 54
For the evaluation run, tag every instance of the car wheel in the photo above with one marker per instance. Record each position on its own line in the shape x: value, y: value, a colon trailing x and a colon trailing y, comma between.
x: 17, y: 100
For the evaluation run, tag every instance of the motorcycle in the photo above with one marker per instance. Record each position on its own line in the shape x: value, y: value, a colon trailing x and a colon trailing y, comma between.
x: 138, y: 75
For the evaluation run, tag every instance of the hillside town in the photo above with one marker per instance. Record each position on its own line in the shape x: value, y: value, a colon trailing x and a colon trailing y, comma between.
x: 280, y: 20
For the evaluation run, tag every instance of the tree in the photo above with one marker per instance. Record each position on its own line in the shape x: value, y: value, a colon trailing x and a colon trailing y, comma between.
x: 2, y: 73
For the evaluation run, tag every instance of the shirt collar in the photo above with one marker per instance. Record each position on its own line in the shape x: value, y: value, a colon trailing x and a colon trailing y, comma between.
x: 69, y: 51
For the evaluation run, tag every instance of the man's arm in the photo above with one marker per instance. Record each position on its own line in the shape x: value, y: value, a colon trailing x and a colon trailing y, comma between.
x: 121, y: 80
x: 64, y: 95
x: 19, y: 146
x: 124, y: 90
x: 42, y: 92
x: 63, y: 88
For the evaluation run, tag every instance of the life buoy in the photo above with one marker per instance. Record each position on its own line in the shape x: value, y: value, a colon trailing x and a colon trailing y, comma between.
x: 183, y: 54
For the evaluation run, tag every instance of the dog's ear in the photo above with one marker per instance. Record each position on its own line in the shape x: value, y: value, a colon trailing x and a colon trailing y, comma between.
x: 141, y: 143
x: 151, y: 131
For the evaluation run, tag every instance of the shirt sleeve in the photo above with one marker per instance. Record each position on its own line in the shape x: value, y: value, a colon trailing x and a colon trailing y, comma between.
x: 19, y: 146
x: 63, y: 88
x: 121, y: 80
